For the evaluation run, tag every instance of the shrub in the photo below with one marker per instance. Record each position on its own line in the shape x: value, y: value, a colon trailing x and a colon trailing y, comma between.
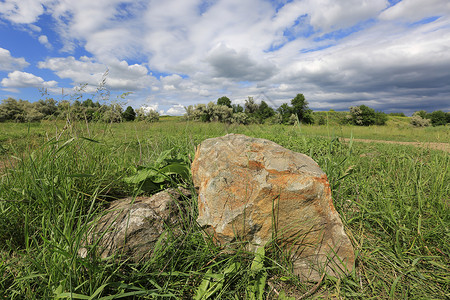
x: 418, y: 121
x: 129, y: 114
x: 438, y: 118
x: 240, y: 118
x: 147, y: 114
x: 364, y: 116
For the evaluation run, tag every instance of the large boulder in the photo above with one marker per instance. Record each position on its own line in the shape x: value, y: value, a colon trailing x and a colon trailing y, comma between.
x: 132, y: 226
x: 253, y: 191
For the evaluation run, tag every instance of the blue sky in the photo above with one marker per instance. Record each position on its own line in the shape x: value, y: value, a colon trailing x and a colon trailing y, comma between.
x: 393, y: 56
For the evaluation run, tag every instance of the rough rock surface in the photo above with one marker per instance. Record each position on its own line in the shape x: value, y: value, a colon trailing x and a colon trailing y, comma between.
x: 132, y: 226
x: 255, y: 191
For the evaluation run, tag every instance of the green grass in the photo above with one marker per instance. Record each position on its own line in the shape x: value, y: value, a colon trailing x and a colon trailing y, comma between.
x: 391, y: 132
x: 394, y: 201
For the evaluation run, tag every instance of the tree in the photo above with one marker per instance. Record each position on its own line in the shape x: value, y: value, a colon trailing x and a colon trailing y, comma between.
x: 224, y: 101
x: 237, y: 108
x: 300, y: 108
x: 239, y: 118
x: 222, y: 113
x: 397, y: 114
x: 438, y: 118
x: 285, y: 111
x: 88, y: 103
x: 129, y: 114
x: 421, y: 113
x: 11, y: 110
x: 113, y: 114
x: 147, y: 114
x: 250, y: 106
x: 362, y: 115
x: 380, y: 118
x: 264, y: 112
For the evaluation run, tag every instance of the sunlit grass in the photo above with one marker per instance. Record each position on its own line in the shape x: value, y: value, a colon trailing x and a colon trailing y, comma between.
x: 393, y: 200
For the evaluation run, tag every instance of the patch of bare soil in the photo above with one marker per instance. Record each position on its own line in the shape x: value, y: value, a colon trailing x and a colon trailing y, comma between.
x: 435, y: 146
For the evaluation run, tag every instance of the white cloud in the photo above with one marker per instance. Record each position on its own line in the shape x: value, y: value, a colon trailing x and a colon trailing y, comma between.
x: 244, y: 48
x: 22, y: 11
x: 85, y: 70
x: 150, y: 107
x: 333, y: 15
x: 176, y: 110
x: 9, y: 63
x: 18, y: 79
x: 121, y: 75
x: 43, y: 39
x: 415, y: 10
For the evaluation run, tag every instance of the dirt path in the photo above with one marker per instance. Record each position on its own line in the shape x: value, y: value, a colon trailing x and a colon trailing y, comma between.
x: 435, y: 146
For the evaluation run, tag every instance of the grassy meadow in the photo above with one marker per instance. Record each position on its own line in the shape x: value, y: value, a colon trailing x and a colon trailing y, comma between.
x: 394, y: 201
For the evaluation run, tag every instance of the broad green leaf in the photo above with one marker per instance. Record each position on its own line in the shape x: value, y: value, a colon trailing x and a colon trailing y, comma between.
x: 203, y: 287
x: 258, y: 261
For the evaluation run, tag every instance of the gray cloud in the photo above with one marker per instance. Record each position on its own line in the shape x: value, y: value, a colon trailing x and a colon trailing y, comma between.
x: 337, y: 53
x: 240, y: 66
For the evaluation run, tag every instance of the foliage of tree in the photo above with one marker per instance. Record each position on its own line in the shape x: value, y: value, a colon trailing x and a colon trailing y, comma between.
x: 397, y: 114
x: 365, y: 116
x: 224, y: 101
x: 129, y: 114
x: 113, y: 114
x: 380, y: 118
x: 300, y: 108
x: 11, y: 110
x: 285, y: 111
x: 251, y: 106
x: 210, y: 112
x: 147, y: 114
x: 221, y: 113
x: 438, y: 118
x: 421, y: 113
x: 240, y: 118
x: 264, y: 112
x: 237, y: 108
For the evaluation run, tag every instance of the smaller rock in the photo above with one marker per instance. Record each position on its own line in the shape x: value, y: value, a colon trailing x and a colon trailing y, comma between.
x: 132, y: 226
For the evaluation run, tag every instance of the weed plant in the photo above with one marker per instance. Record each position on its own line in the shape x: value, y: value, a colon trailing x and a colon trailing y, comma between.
x: 393, y: 201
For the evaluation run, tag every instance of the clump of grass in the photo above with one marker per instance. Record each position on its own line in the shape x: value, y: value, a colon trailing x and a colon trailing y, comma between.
x: 393, y: 201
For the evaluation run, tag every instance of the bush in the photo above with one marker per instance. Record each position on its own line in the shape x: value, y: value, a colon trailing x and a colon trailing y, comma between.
x: 129, y: 114
x: 397, y: 114
x: 364, y: 116
x: 147, y: 114
x: 240, y: 118
x: 438, y: 118
x: 418, y: 121
x: 380, y: 118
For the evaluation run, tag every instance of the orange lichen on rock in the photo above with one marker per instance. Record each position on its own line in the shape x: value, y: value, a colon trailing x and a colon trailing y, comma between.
x: 254, y: 191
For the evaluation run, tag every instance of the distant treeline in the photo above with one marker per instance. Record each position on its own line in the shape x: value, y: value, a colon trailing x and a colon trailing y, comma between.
x: 50, y: 109
x: 298, y: 111
x: 220, y: 111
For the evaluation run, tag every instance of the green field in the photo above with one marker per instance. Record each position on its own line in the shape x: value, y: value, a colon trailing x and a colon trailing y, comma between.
x: 394, y: 201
